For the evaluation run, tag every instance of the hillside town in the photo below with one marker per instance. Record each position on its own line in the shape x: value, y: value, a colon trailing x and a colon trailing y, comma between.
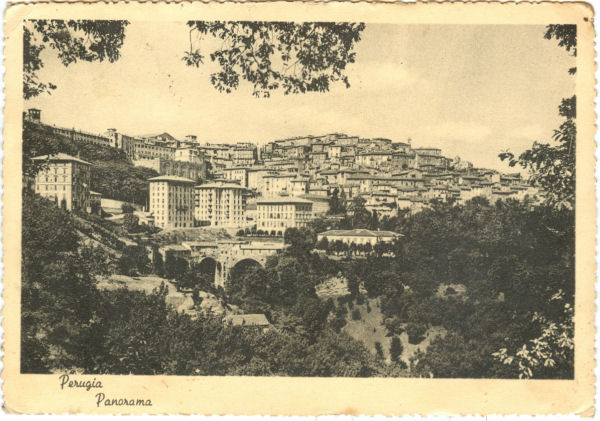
x: 282, y: 184
x: 168, y: 228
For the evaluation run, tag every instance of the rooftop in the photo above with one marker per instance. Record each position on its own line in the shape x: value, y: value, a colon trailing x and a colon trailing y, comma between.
x: 173, y: 179
x: 281, y: 199
x: 360, y: 233
x: 60, y: 157
x: 220, y: 186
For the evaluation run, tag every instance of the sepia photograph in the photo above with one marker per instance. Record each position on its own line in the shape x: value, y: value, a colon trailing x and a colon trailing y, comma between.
x: 321, y: 198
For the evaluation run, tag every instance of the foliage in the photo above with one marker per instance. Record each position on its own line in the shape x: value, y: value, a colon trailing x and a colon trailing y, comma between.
x: 552, y: 166
x: 134, y: 261
x: 337, y: 205
x: 295, y: 57
x: 551, y: 352
x: 72, y: 40
x: 58, y: 289
x: 301, y: 240
x: 396, y: 349
x: 110, y: 174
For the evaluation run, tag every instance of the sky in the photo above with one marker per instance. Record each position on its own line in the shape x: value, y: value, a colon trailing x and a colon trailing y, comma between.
x: 472, y: 91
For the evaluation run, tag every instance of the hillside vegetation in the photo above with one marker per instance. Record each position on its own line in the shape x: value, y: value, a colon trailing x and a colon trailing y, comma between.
x: 112, y: 174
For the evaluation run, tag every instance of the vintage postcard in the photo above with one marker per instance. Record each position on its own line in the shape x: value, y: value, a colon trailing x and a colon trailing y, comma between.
x: 294, y: 208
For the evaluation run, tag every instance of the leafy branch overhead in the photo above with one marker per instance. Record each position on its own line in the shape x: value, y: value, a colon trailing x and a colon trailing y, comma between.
x: 295, y: 57
x: 72, y: 40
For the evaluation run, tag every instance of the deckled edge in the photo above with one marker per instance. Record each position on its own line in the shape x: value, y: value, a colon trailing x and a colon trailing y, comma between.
x: 587, y: 412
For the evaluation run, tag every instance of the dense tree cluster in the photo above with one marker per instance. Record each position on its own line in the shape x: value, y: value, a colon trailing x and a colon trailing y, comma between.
x: 69, y: 324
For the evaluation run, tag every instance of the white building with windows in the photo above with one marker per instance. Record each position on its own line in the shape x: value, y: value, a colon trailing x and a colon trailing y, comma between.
x: 279, y: 213
x: 172, y: 201
x: 65, y: 180
x: 221, y: 204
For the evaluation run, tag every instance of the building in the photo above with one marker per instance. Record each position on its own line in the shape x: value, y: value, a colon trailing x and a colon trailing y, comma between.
x: 220, y: 204
x: 172, y: 201
x: 244, y: 154
x: 359, y: 236
x: 122, y: 141
x: 81, y: 136
x: 177, y: 168
x: 65, y: 180
x: 149, y: 149
x: 279, y: 213
x: 188, y: 154
x: 238, y: 174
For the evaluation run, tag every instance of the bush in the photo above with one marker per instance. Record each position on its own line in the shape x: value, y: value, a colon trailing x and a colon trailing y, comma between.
x: 416, y: 333
x: 379, y: 350
x: 450, y: 291
x: 240, y: 233
x: 396, y: 349
x: 356, y: 314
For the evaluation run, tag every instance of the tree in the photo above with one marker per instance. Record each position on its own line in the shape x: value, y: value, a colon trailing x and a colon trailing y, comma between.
x: 58, y: 291
x: 127, y: 208
x: 134, y: 261
x: 337, y: 205
x: 379, y: 350
x: 353, y: 248
x: 72, y: 40
x: 310, y: 56
x: 361, y: 217
x: 552, y: 167
x: 301, y: 241
x: 323, y: 244
x: 175, y: 267
x: 130, y: 222
x: 396, y: 349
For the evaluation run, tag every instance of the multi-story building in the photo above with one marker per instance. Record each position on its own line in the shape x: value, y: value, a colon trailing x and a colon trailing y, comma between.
x: 239, y: 174
x: 172, y: 201
x: 149, y: 149
x: 221, y: 204
x: 279, y: 183
x: 188, y: 154
x: 65, y: 180
x: 122, y: 141
x: 193, y: 171
x: 279, y: 213
x: 244, y: 154
x: 81, y: 136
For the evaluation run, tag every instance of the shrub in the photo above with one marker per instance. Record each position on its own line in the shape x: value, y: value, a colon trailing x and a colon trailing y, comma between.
x: 396, y: 349
x: 379, y: 350
x: 356, y: 314
x: 416, y: 333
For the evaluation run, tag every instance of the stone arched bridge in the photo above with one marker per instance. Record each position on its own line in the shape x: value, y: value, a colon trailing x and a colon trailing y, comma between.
x: 227, y: 253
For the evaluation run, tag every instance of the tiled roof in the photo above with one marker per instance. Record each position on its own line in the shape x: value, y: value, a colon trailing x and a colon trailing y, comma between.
x: 60, y: 157
x: 172, y: 178
x: 360, y: 233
